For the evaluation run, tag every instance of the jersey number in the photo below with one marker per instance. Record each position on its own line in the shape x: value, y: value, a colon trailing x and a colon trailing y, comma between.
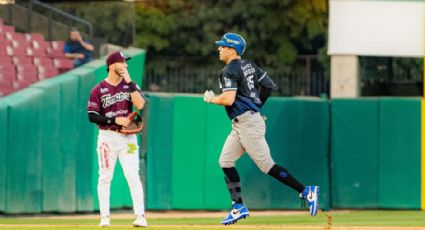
x: 250, y: 82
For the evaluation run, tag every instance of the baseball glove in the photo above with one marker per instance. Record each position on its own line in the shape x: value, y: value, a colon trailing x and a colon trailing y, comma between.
x: 135, y: 126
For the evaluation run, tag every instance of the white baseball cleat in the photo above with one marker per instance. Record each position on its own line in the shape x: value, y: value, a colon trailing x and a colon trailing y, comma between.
x: 140, y: 222
x: 105, y: 222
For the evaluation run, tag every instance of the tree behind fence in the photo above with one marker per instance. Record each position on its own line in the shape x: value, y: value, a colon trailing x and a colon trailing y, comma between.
x: 299, y: 83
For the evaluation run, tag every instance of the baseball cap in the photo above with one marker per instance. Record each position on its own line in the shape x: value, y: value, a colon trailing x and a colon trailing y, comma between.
x: 116, y: 57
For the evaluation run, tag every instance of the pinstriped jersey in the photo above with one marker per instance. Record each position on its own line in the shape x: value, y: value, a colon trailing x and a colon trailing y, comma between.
x: 245, y: 78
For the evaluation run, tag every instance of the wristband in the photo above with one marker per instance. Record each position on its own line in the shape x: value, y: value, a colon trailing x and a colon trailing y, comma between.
x: 133, y: 87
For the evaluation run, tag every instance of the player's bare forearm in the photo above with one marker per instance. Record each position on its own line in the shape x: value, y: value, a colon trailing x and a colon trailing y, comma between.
x: 225, y: 99
x: 137, y: 100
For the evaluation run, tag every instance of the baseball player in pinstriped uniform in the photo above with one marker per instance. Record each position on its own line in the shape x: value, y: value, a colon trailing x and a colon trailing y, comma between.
x: 109, y: 105
x: 245, y: 88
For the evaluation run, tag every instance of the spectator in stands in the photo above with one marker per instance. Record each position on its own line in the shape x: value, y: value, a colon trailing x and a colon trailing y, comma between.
x: 77, y: 48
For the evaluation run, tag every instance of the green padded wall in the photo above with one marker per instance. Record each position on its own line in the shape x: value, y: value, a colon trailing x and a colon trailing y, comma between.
x: 188, y: 153
x: 298, y: 136
x: 3, y: 153
x: 58, y: 166
x: 218, y: 127
x: 159, y: 152
x: 354, y: 155
x: 24, y: 190
x: 69, y: 138
x: 183, y: 172
x: 399, y: 153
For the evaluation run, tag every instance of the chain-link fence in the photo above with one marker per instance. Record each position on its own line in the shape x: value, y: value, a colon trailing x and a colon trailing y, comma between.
x: 300, y: 83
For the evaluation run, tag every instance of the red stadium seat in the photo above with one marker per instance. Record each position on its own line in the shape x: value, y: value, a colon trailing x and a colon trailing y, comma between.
x: 15, y: 36
x: 57, y: 49
x: 7, y: 29
x: 6, y: 59
x: 6, y: 66
x: 47, y: 72
x: 8, y: 74
x: 22, y: 60
x: 5, y: 77
x: 15, y: 51
x: 6, y: 89
x: 34, y: 37
x: 36, y: 52
x: 27, y: 73
x: 63, y: 64
x: 3, y: 41
x: 3, y: 51
x: 43, y: 61
x: 40, y: 44
x: 58, y: 45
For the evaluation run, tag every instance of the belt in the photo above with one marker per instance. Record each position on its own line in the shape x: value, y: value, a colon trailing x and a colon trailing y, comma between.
x: 109, y: 129
x: 236, y: 118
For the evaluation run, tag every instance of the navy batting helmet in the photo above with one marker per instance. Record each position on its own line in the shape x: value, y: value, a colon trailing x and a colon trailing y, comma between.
x: 233, y: 40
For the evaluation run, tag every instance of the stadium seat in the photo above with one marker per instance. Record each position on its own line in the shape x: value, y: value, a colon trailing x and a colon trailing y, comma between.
x: 56, y: 49
x: 43, y: 61
x: 34, y: 37
x: 28, y: 58
x: 6, y: 59
x: 3, y: 51
x: 16, y: 51
x: 3, y: 41
x: 17, y: 39
x: 22, y: 60
x: 47, y: 72
x: 26, y: 73
x: 6, y: 89
x: 15, y: 36
x: 6, y: 66
x: 63, y: 64
x: 8, y: 74
x: 36, y: 52
x: 40, y: 44
x: 7, y: 29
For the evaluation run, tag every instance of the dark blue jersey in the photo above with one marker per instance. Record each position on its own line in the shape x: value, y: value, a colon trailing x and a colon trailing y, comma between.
x: 246, y: 79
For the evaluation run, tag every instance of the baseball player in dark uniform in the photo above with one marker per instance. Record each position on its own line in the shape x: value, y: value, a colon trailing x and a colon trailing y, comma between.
x: 109, y: 105
x: 245, y: 88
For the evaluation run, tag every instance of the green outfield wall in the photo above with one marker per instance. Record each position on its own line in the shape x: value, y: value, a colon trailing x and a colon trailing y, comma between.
x: 363, y: 153
x: 48, y: 161
x: 376, y: 153
x: 185, y: 137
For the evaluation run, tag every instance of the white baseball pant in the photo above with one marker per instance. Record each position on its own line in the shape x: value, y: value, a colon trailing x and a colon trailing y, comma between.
x: 111, y: 146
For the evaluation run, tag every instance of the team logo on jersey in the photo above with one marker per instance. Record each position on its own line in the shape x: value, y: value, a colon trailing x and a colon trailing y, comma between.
x: 104, y: 90
x: 108, y: 100
x: 93, y: 104
x: 228, y: 82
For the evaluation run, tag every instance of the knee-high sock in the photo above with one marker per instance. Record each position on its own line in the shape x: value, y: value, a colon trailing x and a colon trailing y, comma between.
x: 233, y: 184
x: 283, y: 176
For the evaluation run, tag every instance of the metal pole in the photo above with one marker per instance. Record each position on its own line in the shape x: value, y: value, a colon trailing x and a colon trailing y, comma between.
x: 9, y: 13
x: 134, y: 24
x: 49, y: 26
x: 29, y: 17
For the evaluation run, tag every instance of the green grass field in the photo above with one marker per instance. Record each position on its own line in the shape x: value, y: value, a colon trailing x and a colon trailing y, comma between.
x: 282, y: 220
